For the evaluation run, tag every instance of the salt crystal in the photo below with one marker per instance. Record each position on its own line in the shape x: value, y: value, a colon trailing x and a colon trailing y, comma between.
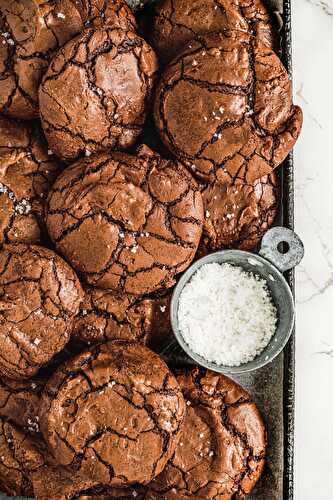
x: 61, y: 15
x: 221, y: 108
x: 188, y: 403
x: 211, y: 453
x: 195, y: 63
x: 162, y: 309
x: 23, y: 207
x: 226, y: 314
x: 84, y: 312
x: 229, y: 216
x: 207, y: 214
x: 37, y: 341
x: 134, y: 249
x: 134, y: 493
x: 201, y: 435
x: 33, y: 385
x: 88, y: 153
x: 121, y: 235
x: 10, y: 41
x: 205, y: 118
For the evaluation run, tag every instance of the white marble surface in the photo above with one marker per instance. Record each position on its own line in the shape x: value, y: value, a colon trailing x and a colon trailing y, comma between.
x: 313, y: 83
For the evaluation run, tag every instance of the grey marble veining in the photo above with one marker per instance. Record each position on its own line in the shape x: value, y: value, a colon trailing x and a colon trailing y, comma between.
x: 313, y: 76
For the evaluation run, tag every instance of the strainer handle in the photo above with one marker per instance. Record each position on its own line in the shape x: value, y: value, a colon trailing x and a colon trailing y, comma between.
x: 282, y: 247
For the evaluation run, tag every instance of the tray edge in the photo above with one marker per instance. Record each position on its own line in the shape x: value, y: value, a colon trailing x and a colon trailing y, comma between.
x: 289, y: 352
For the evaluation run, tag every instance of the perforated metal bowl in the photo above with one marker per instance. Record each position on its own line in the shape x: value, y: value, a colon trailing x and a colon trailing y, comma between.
x: 281, y: 249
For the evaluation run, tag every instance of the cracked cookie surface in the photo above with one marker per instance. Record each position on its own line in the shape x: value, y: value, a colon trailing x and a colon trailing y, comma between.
x: 177, y: 22
x: 39, y: 296
x: 238, y: 214
x: 19, y: 457
x: 30, y: 31
x: 116, y: 410
x: 222, y: 446
x: 244, y: 123
x: 62, y: 483
x: 108, y: 75
x: 107, y: 315
x: 113, y: 13
x: 19, y: 402
x: 127, y: 223
x: 26, y: 173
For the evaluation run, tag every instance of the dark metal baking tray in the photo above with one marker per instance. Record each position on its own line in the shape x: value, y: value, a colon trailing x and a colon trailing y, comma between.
x: 273, y: 386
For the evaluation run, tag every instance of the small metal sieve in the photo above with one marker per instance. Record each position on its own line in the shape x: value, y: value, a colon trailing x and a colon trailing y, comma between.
x: 281, y: 250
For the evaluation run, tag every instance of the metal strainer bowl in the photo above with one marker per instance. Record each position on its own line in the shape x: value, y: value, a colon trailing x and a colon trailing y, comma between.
x: 281, y: 249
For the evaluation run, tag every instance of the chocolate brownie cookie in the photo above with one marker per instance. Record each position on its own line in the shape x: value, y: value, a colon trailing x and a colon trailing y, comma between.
x: 26, y: 174
x: 62, y: 483
x: 19, y: 402
x: 177, y: 22
x: 129, y: 223
x: 19, y: 457
x: 107, y: 315
x: 39, y: 296
x: 113, y: 13
x: 31, y: 30
x: 222, y: 448
x: 108, y: 75
x: 116, y: 409
x: 243, y: 124
x: 238, y: 214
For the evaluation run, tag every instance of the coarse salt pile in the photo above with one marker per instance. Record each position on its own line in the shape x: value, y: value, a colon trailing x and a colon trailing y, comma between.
x: 226, y: 314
